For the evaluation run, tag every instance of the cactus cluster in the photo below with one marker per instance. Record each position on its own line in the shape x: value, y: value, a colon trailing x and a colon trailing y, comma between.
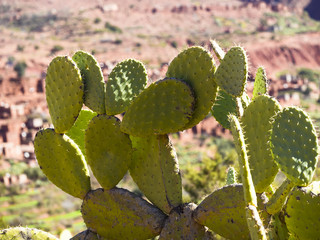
x: 268, y: 138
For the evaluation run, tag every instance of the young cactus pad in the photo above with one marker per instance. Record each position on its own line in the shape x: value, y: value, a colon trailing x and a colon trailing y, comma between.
x: 62, y: 162
x: 94, y: 87
x: 21, y: 233
x: 196, y: 67
x: 155, y: 169
x: 64, y: 92
x: 232, y: 72
x: 257, y: 122
x: 294, y: 145
x: 164, y: 107
x: 120, y: 214
x: 260, y: 83
x: 125, y: 82
x: 108, y: 150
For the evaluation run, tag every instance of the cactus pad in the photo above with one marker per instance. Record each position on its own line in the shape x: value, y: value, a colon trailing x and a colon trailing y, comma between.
x: 164, y: 107
x: 155, y: 169
x: 181, y: 225
x: 62, y: 162
x: 125, y: 82
x: 260, y: 83
x: 64, y: 92
x: 302, y: 213
x: 87, y: 235
x: 217, y: 49
x: 120, y: 214
x: 196, y: 67
x: 224, y: 212
x: 257, y: 123
x: 294, y: 145
x: 94, y: 87
x: 108, y: 150
x: 232, y: 72
x: 77, y: 131
x: 24, y: 233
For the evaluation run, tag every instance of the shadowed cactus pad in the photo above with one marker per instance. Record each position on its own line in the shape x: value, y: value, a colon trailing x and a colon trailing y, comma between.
x: 294, y: 145
x: 64, y: 92
x: 94, y: 87
x: 232, y: 72
x: 21, y: 233
x: 181, y: 225
x: 108, y: 150
x: 77, y: 131
x: 125, y: 82
x: 302, y: 213
x: 119, y: 214
x: 196, y: 67
x: 155, y: 169
x: 257, y: 123
x: 223, y: 211
x: 62, y: 162
x: 87, y: 235
x: 164, y: 107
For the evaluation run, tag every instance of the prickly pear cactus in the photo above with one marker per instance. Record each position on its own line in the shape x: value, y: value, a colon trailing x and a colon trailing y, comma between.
x: 125, y: 83
x: 22, y: 233
x: 62, y: 162
x: 120, y: 214
x: 94, y: 87
x: 64, y: 92
x: 164, y: 107
x: 294, y: 145
x: 260, y: 83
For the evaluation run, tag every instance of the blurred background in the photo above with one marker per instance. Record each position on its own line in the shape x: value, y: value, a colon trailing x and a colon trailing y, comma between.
x: 283, y: 36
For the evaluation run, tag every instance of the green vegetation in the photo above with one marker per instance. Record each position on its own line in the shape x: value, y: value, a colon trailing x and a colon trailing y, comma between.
x: 55, y: 49
x: 20, y: 68
x: 112, y: 28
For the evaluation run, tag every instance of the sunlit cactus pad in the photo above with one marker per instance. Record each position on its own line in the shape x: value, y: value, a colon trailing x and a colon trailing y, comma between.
x: 94, y: 87
x: 125, y: 82
x: 232, y: 72
x: 294, y: 145
x: 180, y: 225
x: 196, y: 67
x: 24, y: 233
x: 164, y: 107
x: 77, y: 131
x: 302, y: 213
x: 260, y: 83
x: 257, y: 122
x: 120, y: 214
x: 64, y: 92
x: 155, y: 169
x: 108, y: 150
x: 62, y: 162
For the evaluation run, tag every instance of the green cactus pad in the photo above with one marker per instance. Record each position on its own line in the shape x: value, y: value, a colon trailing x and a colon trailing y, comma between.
x: 164, y: 107
x: 260, y: 83
x: 24, y: 233
x: 62, y: 162
x: 125, y: 82
x: 232, y: 72
x: 108, y: 150
x: 217, y: 49
x: 94, y: 86
x: 257, y: 122
x: 224, y: 212
x: 294, y: 145
x: 196, y: 67
x: 181, y: 225
x: 64, y: 92
x: 231, y: 176
x: 119, y: 214
x: 155, y: 169
x: 77, y: 131
x: 302, y: 213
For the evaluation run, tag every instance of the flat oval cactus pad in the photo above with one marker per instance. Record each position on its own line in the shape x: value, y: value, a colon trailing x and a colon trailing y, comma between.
x: 164, y: 107
x: 294, y: 145
x: 64, y: 92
